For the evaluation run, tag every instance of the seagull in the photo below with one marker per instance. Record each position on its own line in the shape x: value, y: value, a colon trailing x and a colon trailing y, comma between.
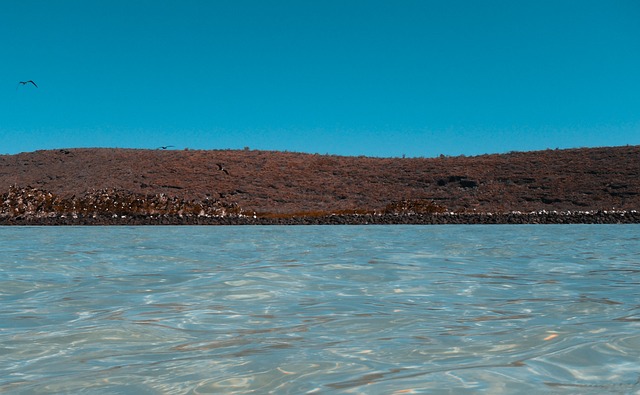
x: 165, y: 146
x: 27, y: 82
x: 222, y: 169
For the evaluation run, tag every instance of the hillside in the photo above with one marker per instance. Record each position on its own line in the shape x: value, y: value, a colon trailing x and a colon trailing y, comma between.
x: 287, y: 183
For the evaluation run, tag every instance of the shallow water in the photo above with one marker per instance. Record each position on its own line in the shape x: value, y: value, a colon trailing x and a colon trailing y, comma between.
x: 344, y: 309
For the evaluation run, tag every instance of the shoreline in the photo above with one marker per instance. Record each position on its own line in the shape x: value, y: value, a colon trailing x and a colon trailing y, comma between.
x: 449, y: 218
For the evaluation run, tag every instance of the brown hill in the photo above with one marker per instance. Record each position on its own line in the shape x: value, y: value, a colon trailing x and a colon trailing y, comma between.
x: 286, y: 183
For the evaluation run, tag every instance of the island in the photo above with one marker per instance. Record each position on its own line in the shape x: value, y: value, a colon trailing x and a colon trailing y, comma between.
x: 118, y: 186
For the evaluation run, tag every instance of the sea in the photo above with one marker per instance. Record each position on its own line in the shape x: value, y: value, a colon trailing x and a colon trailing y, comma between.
x: 460, y: 309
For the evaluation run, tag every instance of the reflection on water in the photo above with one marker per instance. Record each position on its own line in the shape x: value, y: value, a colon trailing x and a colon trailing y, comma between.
x: 363, y: 310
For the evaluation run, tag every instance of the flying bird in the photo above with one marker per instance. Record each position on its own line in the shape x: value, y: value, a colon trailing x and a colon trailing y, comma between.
x: 165, y: 146
x: 28, y: 82
x: 221, y: 168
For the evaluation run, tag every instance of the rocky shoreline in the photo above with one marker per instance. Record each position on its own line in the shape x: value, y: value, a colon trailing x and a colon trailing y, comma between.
x: 450, y: 218
x: 32, y: 206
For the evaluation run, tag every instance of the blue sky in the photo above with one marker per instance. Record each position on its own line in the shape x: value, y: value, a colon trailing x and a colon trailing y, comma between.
x: 349, y: 77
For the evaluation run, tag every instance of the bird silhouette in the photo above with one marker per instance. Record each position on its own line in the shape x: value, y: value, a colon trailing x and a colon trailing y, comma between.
x: 221, y: 168
x: 165, y: 146
x: 27, y: 82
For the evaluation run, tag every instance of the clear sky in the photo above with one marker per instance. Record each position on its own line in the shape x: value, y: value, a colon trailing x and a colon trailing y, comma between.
x: 349, y: 77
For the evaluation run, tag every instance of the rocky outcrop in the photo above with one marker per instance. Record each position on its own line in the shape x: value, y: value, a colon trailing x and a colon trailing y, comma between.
x: 105, y: 203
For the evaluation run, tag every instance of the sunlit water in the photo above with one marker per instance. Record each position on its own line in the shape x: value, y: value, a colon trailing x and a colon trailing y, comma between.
x: 329, y: 310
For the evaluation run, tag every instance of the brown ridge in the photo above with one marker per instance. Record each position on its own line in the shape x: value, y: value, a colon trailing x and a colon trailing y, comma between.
x: 284, y: 183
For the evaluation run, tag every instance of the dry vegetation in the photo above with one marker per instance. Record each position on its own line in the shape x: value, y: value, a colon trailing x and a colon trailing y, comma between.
x: 284, y: 183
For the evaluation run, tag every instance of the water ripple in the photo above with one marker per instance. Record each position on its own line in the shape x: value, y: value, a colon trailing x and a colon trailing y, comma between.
x: 290, y: 310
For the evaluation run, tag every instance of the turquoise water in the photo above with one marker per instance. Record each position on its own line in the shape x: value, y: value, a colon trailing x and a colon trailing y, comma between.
x: 327, y: 310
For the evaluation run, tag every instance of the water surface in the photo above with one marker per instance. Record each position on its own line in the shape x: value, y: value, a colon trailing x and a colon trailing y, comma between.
x: 326, y: 309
